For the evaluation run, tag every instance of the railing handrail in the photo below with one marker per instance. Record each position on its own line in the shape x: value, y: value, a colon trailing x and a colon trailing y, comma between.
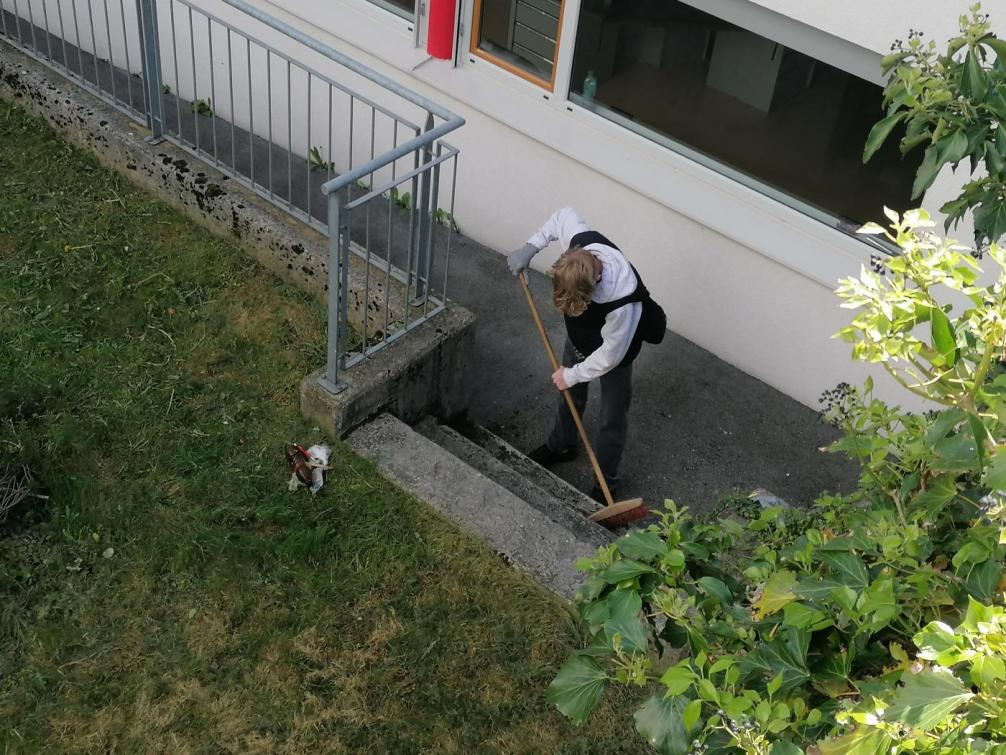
x: 403, y: 149
x: 451, y: 120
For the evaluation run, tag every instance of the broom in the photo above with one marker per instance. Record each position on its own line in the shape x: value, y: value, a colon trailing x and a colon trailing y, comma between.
x: 613, y: 514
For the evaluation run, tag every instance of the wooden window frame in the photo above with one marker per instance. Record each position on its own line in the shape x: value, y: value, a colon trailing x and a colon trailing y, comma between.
x: 547, y: 84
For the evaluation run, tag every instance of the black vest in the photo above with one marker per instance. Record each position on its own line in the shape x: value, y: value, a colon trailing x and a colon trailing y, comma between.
x: 585, y: 330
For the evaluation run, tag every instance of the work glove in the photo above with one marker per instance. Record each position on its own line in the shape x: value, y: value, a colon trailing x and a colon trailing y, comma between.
x: 519, y: 259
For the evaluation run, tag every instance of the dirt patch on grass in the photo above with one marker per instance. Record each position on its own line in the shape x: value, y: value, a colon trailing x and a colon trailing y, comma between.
x: 8, y: 245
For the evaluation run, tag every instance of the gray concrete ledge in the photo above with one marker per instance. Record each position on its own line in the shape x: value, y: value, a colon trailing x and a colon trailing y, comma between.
x: 523, y: 535
x: 424, y: 373
x: 507, y: 476
x: 403, y: 377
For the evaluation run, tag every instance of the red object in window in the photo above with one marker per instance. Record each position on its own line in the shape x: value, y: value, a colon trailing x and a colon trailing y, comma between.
x: 440, y: 40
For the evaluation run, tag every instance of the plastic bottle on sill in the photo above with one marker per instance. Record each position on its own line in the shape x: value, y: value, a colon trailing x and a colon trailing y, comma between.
x: 589, y: 86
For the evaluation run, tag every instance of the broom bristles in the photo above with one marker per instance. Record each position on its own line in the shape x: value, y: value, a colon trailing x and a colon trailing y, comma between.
x: 620, y: 513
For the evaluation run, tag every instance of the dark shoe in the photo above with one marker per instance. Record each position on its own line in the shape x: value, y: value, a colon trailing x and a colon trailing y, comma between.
x: 546, y: 457
x: 598, y: 495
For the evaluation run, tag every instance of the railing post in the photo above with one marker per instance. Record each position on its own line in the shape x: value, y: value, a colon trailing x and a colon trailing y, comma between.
x: 150, y: 58
x: 337, y: 272
x: 421, y: 259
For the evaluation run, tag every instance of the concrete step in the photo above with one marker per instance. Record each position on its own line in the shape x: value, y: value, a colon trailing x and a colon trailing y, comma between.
x: 527, y: 487
x: 553, y: 485
x: 542, y: 548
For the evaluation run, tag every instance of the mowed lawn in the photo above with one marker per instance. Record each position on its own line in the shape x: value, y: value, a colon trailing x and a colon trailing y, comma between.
x: 172, y: 595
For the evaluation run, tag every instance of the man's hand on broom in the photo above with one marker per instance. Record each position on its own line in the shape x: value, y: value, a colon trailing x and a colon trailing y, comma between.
x: 559, y: 380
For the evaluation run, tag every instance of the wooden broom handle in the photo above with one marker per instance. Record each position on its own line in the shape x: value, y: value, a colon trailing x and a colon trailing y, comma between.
x: 565, y: 393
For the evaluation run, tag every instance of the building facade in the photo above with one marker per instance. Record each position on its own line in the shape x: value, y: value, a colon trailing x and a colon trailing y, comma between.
x: 718, y: 142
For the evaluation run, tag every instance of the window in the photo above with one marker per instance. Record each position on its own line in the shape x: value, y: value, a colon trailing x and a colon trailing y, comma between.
x: 768, y: 112
x: 519, y: 35
x: 403, y: 8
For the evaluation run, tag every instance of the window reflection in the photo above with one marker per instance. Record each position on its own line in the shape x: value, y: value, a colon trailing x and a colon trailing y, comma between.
x: 771, y: 112
x: 520, y: 34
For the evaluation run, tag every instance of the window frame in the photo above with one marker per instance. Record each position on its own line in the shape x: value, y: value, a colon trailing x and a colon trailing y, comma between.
x: 396, y: 10
x: 474, y: 49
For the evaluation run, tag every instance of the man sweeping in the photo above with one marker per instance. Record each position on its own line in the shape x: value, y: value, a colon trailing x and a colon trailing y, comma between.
x: 602, y: 300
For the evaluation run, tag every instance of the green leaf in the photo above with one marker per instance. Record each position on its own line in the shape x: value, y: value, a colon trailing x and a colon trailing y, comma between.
x: 926, y: 699
x: 773, y: 686
x: 595, y: 614
x: 800, y: 616
x: 952, y: 147
x: 955, y: 454
x: 940, y: 492
x: 625, y: 606
x: 577, y: 688
x: 945, y: 421
x: 879, y: 602
x: 889, y: 61
x: 990, y: 218
x: 974, y: 83
x: 678, y: 679
x: 817, y: 589
x: 954, y: 210
x: 831, y: 672
x: 997, y: 45
x: 983, y: 579
x: 782, y: 747
x: 624, y: 569
x: 972, y: 552
x: 641, y: 545
x: 863, y: 741
x: 927, y: 172
x: 979, y: 436
x: 661, y: 723
x: 935, y: 638
x: 977, y: 614
x: 707, y: 691
x: 691, y: 715
x: 993, y: 160
x: 879, y: 133
x: 717, y: 589
x: 944, y: 338
x: 778, y: 591
x: 786, y: 655
x: 848, y: 567
x: 995, y: 474
x: 987, y: 670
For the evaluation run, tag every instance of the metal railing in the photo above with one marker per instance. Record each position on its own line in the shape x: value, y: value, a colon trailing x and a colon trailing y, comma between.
x: 328, y: 140
x: 103, y: 57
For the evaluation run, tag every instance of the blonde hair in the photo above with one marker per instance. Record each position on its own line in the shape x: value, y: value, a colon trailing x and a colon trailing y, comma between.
x: 574, y: 275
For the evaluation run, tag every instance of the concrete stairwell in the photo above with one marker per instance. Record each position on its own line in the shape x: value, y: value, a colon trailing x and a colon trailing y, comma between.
x: 535, y: 520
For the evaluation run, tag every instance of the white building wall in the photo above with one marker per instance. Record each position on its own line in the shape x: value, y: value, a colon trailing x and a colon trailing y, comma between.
x: 875, y: 25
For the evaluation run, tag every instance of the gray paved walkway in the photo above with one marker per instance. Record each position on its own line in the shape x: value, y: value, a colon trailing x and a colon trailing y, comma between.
x: 699, y: 428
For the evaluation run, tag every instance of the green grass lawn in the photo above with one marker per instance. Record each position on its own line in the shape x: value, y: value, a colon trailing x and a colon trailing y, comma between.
x: 172, y: 595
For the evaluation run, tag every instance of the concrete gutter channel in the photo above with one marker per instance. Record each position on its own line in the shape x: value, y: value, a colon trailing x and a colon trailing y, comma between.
x: 535, y: 520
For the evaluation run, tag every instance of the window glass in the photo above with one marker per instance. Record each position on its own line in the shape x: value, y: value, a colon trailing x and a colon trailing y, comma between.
x: 769, y: 112
x: 520, y: 34
x: 403, y: 8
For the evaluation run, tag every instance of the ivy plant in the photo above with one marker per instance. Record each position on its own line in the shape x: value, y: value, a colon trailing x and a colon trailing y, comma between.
x: 951, y: 102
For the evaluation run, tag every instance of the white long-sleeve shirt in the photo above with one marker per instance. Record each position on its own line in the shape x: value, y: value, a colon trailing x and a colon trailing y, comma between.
x: 617, y: 280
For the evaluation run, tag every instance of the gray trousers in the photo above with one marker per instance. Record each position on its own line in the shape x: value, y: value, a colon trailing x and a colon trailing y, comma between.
x: 616, y: 395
